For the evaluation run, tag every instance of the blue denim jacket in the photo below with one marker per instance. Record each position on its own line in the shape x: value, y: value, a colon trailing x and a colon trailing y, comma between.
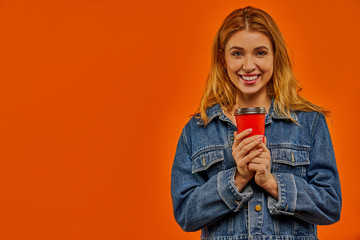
x: 302, y: 161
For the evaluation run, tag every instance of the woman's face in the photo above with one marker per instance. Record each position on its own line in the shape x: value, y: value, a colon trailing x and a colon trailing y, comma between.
x: 249, y: 62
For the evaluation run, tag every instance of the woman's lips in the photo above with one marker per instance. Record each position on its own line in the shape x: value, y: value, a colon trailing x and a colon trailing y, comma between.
x: 249, y: 78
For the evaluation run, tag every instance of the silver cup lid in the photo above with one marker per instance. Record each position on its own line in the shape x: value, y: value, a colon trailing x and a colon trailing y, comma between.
x: 250, y: 110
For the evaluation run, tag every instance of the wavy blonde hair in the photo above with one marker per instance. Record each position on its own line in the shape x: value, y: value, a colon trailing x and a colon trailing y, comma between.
x: 283, y: 86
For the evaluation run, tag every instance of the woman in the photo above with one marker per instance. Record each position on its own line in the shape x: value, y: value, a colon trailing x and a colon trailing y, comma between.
x: 236, y: 187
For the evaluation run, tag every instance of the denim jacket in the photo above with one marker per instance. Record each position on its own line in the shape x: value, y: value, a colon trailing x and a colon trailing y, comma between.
x: 302, y: 161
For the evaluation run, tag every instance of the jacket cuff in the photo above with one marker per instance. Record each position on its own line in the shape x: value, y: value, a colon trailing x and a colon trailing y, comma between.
x: 287, y: 192
x: 229, y: 193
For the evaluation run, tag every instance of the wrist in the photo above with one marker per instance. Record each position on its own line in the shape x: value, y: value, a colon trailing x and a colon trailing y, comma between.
x: 240, y: 181
x: 271, y: 187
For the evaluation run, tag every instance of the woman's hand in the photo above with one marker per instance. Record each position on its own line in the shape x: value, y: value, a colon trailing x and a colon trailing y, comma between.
x: 245, y: 150
x: 253, y: 159
x: 263, y: 176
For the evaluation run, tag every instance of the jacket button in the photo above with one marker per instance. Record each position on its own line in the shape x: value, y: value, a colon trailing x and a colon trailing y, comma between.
x: 257, y: 208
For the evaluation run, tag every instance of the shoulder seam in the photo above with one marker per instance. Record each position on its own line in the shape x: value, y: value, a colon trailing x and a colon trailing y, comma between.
x: 313, y: 125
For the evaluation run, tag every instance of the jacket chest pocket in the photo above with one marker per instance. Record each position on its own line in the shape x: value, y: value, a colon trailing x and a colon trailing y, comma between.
x: 211, y: 162
x: 287, y: 160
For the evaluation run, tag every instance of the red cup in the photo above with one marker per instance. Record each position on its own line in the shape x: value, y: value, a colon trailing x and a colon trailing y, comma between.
x: 253, y: 117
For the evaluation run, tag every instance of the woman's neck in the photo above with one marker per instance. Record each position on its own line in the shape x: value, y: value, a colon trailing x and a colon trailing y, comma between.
x: 244, y: 101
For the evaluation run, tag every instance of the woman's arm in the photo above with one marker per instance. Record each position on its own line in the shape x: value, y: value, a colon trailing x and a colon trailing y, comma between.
x: 198, y: 201
x: 316, y: 199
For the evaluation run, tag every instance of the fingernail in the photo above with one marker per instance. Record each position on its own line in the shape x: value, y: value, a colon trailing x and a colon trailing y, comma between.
x: 249, y: 130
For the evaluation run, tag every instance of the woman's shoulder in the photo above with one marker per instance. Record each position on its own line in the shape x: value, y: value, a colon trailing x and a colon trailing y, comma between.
x: 310, y: 110
x: 196, y: 123
x: 211, y: 113
x: 311, y: 119
x: 307, y: 115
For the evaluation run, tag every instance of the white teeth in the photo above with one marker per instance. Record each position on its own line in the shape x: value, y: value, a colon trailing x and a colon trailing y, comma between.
x: 249, y: 78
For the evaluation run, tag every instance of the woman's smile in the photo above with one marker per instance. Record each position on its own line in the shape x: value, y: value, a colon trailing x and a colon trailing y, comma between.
x: 249, y: 79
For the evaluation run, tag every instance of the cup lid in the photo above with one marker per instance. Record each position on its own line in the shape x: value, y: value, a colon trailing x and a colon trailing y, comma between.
x: 250, y: 110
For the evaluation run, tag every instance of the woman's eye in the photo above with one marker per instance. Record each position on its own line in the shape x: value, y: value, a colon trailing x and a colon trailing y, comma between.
x: 261, y: 53
x: 237, y: 54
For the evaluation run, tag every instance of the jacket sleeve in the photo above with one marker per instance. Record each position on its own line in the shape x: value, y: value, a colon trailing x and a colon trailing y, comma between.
x: 316, y: 199
x: 198, y: 201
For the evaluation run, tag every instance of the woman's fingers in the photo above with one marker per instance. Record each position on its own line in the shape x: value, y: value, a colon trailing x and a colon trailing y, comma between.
x: 263, y: 146
x: 250, y: 157
x: 246, y: 146
x: 262, y: 159
x: 249, y: 144
x: 238, y: 137
x: 261, y: 165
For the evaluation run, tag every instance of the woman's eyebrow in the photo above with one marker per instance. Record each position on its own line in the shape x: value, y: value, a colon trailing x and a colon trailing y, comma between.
x: 261, y: 47
x: 236, y: 47
x: 240, y: 48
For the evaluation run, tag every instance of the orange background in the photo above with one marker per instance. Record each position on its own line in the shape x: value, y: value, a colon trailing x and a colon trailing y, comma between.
x: 94, y: 94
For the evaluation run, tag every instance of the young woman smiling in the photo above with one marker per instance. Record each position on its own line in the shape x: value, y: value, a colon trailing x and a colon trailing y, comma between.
x: 236, y: 187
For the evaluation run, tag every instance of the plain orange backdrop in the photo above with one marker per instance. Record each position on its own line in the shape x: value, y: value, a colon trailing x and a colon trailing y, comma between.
x: 94, y: 94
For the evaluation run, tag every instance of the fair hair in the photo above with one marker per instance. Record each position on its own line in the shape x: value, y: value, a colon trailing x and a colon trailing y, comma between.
x: 283, y: 86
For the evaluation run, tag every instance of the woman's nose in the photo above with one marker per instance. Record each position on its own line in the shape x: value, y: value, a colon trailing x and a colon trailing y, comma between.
x: 249, y: 64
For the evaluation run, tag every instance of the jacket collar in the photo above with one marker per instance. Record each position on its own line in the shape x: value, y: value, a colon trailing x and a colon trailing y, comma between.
x: 216, y: 111
x: 273, y: 115
x: 213, y: 112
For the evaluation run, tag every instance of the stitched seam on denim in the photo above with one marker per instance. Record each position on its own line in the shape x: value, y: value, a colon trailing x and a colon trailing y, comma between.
x: 295, y: 188
x: 232, y: 187
x: 281, y: 196
x: 224, y: 118
x: 207, y: 149
x: 220, y: 190
x: 201, y: 122
x: 232, y: 183
x: 277, y: 117
x: 290, y: 146
x: 183, y: 135
x: 311, y: 220
x: 278, y: 182
x: 212, y: 115
x: 267, y: 236
x: 207, y: 166
x: 288, y: 162
x: 313, y: 125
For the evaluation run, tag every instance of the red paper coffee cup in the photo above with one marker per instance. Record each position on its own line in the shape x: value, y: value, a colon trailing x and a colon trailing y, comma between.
x: 253, y: 117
